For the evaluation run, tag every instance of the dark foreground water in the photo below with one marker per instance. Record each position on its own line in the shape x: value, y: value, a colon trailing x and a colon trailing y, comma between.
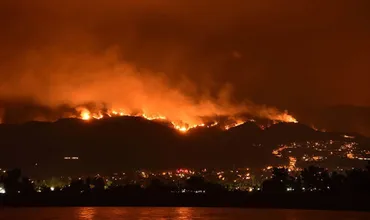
x: 112, y: 213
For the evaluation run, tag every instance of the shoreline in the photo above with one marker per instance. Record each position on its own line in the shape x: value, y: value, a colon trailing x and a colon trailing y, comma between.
x: 256, y: 201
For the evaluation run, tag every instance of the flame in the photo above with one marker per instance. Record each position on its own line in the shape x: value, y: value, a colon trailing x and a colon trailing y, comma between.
x: 236, y: 124
x: 182, y: 126
x: 126, y: 90
x: 85, y: 115
x: 292, y: 163
x: 278, y: 152
x: 284, y: 117
x: 153, y: 117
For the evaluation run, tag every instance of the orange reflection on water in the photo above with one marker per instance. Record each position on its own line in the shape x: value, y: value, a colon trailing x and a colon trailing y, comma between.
x: 181, y: 213
x: 184, y: 213
x: 86, y: 213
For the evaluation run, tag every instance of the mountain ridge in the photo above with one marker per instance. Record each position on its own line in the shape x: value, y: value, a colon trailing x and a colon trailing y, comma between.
x: 133, y: 142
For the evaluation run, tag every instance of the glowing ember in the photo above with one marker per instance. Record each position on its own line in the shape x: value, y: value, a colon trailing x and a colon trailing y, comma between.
x: 350, y: 156
x: 348, y: 136
x: 292, y: 163
x: 278, y: 152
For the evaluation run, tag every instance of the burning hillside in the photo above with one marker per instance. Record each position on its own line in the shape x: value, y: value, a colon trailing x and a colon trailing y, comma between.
x: 22, y: 113
x: 91, y: 86
x: 225, y: 122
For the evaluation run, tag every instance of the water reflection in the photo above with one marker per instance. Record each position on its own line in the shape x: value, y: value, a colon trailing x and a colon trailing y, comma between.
x: 119, y: 212
x: 180, y: 213
x: 184, y: 213
x: 151, y: 213
x: 86, y: 213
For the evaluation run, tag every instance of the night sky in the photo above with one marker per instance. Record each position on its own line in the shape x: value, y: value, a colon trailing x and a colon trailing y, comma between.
x: 309, y: 57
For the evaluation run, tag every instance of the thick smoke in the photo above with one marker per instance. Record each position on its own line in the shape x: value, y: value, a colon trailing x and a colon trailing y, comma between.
x: 188, y: 53
x: 57, y: 78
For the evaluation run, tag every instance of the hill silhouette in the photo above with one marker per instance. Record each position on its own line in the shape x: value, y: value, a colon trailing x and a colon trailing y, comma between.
x: 119, y: 143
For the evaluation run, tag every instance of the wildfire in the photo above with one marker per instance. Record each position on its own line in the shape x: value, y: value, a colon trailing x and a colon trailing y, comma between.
x: 285, y: 117
x: 182, y: 126
x: 277, y: 152
x: 237, y: 123
x: 125, y: 89
x: 85, y: 115
x: 292, y: 163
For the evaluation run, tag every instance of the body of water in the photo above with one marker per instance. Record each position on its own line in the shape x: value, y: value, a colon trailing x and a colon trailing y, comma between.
x: 113, y: 213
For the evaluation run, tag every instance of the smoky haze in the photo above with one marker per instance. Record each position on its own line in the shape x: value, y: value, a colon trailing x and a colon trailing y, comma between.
x: 195, y: 58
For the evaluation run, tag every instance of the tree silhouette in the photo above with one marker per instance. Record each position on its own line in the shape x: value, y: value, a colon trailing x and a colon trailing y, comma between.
x: 98, y: 183
x: 195, y: 183
x: 12, y: 181
x: 279, y: 182
x: 157, y: 185
x: 316, y: 179
x: 78, y: 186
x: 337, y: 181
x: 27, y: 187
x: 358, y: 181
